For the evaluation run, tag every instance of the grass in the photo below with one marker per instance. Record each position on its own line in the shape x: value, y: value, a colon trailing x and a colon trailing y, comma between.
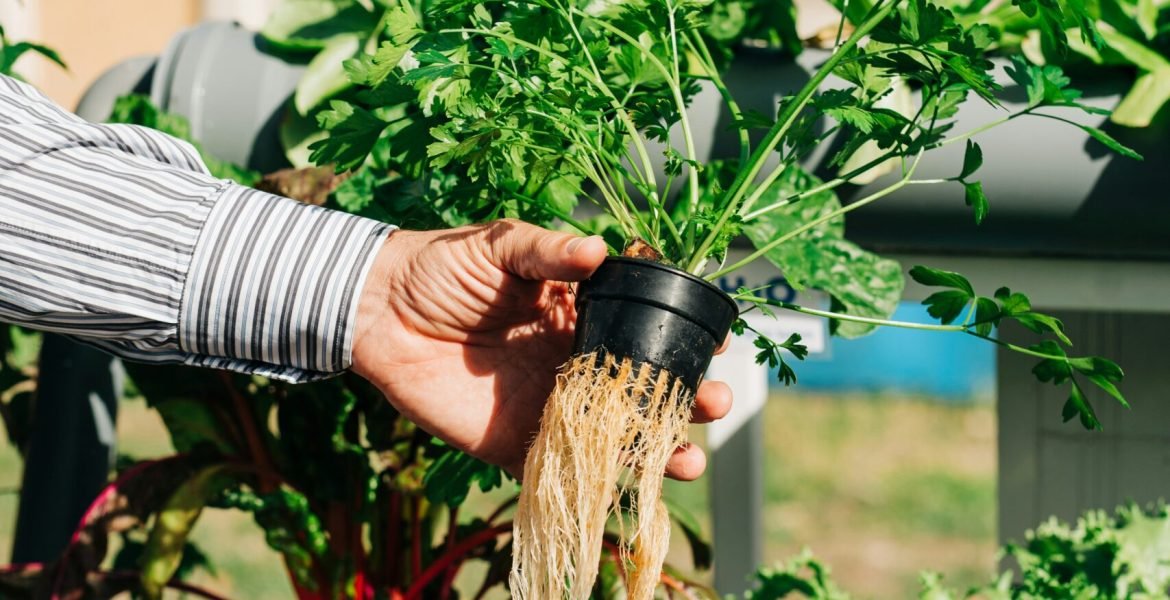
x: 879, y: 487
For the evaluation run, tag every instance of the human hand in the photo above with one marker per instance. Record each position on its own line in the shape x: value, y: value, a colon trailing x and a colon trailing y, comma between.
x: 464, y: 329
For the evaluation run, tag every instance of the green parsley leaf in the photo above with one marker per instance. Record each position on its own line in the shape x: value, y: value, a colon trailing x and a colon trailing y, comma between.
x: 976, y: 200
x: 972, y: 160
x: 940, y: 278
x: 353, y: 133
x: 947, y: 305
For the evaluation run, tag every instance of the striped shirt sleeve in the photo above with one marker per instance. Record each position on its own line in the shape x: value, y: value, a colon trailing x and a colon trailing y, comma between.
x: 117, y: 235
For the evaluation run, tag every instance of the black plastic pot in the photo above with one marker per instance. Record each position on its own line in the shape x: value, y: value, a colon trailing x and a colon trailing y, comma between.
x: 655, y: 314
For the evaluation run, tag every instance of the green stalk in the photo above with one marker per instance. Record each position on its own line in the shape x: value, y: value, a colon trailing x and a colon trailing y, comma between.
x: 684, y: 118
x: 823, y: 187
x: 616, y: 208
x: 776, y: 134
x: 838, y: 181
x: 898, y: 324
x: 1019, y: 349
x: 670, y: 226
x: 766, y: 248
x: 696, y: 43
x: 579, y: 226
x: 978, y: 130
x: 680, y: 102
x: 617, y: 201
x: 844, y: 317
x: 647, y: 178
x: 623, y: 116
x: 631, y: 223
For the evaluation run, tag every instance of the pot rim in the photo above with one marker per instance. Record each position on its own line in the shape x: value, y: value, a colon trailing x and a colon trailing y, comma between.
x: 677, y: 272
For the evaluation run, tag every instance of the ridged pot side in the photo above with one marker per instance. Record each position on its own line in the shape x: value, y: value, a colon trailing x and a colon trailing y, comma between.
x: 653, y: 313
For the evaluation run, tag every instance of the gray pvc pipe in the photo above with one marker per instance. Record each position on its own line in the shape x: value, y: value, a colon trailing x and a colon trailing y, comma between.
x: 219, y: 77
x: 1052, y: 189
x: 130, y: 76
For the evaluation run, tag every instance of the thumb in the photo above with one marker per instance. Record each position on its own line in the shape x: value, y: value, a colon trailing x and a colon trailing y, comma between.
x: 537, y: 254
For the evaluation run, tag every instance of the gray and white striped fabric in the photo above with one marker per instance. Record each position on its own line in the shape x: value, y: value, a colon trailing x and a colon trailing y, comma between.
x: 118, y: 236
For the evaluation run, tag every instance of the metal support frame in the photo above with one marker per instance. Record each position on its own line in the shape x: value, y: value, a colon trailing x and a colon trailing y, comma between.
x: 737, y: 468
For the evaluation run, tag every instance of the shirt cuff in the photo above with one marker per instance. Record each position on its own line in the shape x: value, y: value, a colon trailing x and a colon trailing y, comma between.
x: 273, y: 286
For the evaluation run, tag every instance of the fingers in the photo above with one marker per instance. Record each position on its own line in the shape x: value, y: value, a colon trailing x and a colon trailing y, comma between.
x: 723, y: 347
x: 687, y: 463
x: 713, y: 402
x: 538, y: 254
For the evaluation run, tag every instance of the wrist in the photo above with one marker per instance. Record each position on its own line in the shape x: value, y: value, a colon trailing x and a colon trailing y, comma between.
x: 376, y: 319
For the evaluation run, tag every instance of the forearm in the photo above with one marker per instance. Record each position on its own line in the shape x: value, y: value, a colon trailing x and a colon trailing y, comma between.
x: 117, y: 235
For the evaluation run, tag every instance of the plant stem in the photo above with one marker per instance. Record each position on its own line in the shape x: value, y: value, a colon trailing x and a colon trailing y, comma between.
x: 501, y: 508
x: 841, y: 23
x: 965, y: 328
x: 696, y: 43
x: 838, y: 181
x: 747, y: 175
x: 978, y: 130
x: 647, y: 230
x: 416, y: 545
x: 670, y: 226
x: 766, y: 248
x: 440, y: 565
x: 257, y: 450
x: 683, y: 116
x: 673, y: 584
x: 676, y: 92
x: 1019, y: 349
x: 823, y: 187
x: 845, y: 317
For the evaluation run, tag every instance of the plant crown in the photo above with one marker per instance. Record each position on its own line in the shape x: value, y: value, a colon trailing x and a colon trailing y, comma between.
x: 471, y: 111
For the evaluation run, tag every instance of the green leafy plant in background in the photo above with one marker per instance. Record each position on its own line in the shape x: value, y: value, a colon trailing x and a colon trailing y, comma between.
x: 1126, y: 34
x: 136, y: 109
x: 11, y: 52
x: 1110, y: 556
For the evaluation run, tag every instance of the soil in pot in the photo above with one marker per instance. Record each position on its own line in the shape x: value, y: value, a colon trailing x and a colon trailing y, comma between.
x: 646, y: 333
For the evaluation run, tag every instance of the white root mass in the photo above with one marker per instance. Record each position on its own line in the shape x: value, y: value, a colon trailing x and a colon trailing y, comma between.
x: 607, y: 432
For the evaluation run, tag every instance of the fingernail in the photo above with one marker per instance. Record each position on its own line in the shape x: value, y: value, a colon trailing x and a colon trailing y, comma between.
x: 573, y: 245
